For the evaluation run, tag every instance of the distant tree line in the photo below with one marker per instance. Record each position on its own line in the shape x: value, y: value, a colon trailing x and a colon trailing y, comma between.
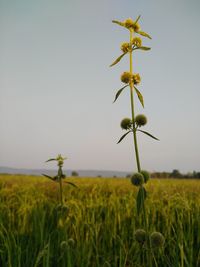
x: 176, y: 174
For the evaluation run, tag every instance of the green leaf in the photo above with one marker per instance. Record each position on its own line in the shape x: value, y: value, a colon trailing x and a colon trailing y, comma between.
x: 148, y: 134
x: 118, y: 22
x: 141, y: 196
x: 123, y: 136
x: 51, y: 160
x: 71, y: 184
x: 52, y: 178
x: 144, y: 34
x: 118, y: 59
x: 119, y: 92
x: 144, y: 48
x: 137, y: 19
x: 139, y: 96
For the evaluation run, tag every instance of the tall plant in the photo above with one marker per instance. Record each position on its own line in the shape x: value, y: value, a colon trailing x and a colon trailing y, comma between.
x: 133, y: 125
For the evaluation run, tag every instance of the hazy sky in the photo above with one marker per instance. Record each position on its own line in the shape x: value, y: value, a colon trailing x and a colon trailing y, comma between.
x: 56, y: 87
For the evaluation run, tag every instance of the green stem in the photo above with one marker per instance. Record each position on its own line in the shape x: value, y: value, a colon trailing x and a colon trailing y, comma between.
x: 60, y: 183
x: 132, y: 108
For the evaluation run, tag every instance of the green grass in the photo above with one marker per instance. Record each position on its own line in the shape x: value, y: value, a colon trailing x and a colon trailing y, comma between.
x: 96, y: 226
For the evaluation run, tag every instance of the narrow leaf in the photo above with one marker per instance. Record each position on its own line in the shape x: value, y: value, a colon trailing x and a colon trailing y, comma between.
x: 50, y: 160
x: 144, y: 34
x: 139, y: 96
x: 144, y: 48
x: 118, y: 22
x: 48, y: 176
x: 118, y: 59
x: 119, y: 92
x: 123, y: 136
x: 71, y: 184
x: 137, y: 19
x: 148, y: 134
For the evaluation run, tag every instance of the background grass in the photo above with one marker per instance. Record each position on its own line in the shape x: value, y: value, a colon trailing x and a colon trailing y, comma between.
x: 96, y: 226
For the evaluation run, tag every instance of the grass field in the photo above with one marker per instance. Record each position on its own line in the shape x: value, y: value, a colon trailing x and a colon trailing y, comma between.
x: 96, y: 226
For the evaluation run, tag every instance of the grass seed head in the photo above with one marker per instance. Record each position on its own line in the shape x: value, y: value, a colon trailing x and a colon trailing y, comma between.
x: 140, y: 236
x: 137, y: 179
x: 157, y: 239
x: 141, y: 120
x: 146, y: 175
x: 126, y: 123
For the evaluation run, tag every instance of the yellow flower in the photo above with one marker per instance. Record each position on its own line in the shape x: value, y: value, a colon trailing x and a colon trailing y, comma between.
x: 125, y: 47
x: 129, y: 23
x: 126, y: 77
x: 137, y: 41
x: 136, y: 78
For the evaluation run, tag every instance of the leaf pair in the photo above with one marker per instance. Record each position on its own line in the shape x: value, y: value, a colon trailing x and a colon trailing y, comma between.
x: 55, y: 178
x: 144, y: 132
x: 140, y: 97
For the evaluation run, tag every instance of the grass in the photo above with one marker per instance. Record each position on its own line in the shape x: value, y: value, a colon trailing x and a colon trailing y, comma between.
x: 96, y: 226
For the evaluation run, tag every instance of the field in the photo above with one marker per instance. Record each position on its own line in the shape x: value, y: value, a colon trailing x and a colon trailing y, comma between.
x: 96, y: 226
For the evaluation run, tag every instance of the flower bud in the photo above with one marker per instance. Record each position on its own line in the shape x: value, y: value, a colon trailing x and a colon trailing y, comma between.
x: 146, y: 175
x: 126, y: 123
x: 141, y: 120
x: 137, y: 41
x: 157, y: 239
x: 137, y: 179
x: 126, y: 77
x: 140, y: 236
x: 136, y: 78
x: 125, y: 47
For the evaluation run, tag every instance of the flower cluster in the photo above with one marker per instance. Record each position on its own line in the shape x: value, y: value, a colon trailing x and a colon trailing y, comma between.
x: 127, y: 77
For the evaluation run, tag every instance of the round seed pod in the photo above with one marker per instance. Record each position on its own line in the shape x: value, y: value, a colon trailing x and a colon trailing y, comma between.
x: 157, y: 239
x: 146, y: 175
x: 137, y: 179
x: 136, y: 78
x: 136, y: 27
x: 141, y: 120
x: 126, y: 77
x: 137, y: 41
x: 140, y: 236
x: 125, y: 47
x: 126, y: 123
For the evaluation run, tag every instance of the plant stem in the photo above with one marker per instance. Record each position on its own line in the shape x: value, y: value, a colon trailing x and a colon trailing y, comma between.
x: 132, y: 107
x: 60, y: 183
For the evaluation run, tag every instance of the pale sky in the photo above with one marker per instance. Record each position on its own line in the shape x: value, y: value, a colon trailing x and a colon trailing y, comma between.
x: 56, y: 87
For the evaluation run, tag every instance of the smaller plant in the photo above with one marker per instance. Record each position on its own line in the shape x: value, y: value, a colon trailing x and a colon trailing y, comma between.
x: 60, y: 176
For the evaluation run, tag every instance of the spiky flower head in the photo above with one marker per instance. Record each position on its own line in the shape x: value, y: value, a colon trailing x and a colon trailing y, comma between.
x: 129, y: 23
x: 146, y: 175
x: 141, y: 120
x: 136, y: 78
x: 157, y: 239
x: 126, y: 77
x: 137, y: 41
x: 137, y: 179
x: 126, y: 123
x: 136, y: 27
x: 125, y: 47
x: 140, y: 236
x: 60, y: 160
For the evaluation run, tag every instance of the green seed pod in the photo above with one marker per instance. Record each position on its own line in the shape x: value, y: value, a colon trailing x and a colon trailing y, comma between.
x: 126, y: 123
x: 141, y: 120
x: 126, y: 77
x: 157, y: 239
x: 137, y: 179
x: 146, y: 175
x: 140, y: 236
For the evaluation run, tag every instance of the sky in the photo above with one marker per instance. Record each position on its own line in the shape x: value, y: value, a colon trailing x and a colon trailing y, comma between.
x: 57, y: 89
